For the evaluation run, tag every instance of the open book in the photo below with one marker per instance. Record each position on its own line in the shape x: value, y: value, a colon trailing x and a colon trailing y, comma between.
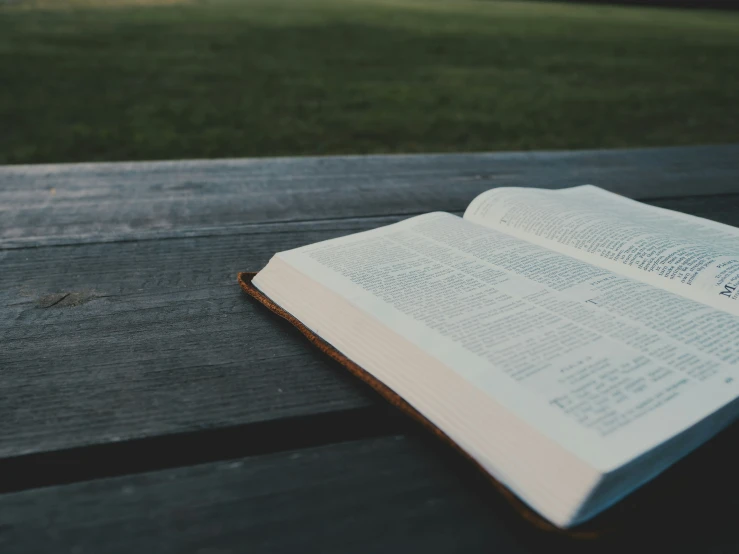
x: 574, y: 343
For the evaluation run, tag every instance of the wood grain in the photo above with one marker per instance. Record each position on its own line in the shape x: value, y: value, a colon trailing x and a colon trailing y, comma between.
x: 53, y: 204
x: 402, y: 493
x: 127, y: 340
x: 108, y: 342
x: 126, y: 347
x: 353, y: 497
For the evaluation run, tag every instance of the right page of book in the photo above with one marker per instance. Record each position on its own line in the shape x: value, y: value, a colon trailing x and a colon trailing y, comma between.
x: 687, y: 255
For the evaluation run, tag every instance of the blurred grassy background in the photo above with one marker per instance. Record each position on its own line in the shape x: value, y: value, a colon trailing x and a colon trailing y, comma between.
x: 86, y: 80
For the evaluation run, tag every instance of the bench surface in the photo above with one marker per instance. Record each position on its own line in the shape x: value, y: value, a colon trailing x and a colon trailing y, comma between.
x: 146, y: 403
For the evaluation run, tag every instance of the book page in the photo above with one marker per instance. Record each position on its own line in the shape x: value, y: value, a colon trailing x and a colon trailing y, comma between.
x: 691, y: 256
x: 607, y: 380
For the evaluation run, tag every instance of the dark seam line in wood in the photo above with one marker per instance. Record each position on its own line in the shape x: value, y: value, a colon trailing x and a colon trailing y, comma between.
x: 85, y: 463
x: 245, y: 229
x: 686, y: 197
x: 220, y: 231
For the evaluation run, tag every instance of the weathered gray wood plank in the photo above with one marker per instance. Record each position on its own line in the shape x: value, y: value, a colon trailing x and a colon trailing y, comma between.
x: 120, y: 347
x: 107, y: 342
x: 76, y: 202
x: 390, y: 494
x: 355, y: 497
x: 120, y: 341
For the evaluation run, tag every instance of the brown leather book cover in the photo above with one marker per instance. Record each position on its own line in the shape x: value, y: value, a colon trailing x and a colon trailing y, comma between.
x: 683, y: 495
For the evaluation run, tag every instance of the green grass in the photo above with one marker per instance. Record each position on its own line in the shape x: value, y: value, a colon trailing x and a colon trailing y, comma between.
x: 123, y: 80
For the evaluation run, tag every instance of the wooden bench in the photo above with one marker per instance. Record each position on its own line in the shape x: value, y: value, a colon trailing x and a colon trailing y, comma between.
x: 147, y: 405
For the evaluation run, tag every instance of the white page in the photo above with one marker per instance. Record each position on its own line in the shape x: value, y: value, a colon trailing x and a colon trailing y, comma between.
x: 514, y: 320
x: 691, y: 256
